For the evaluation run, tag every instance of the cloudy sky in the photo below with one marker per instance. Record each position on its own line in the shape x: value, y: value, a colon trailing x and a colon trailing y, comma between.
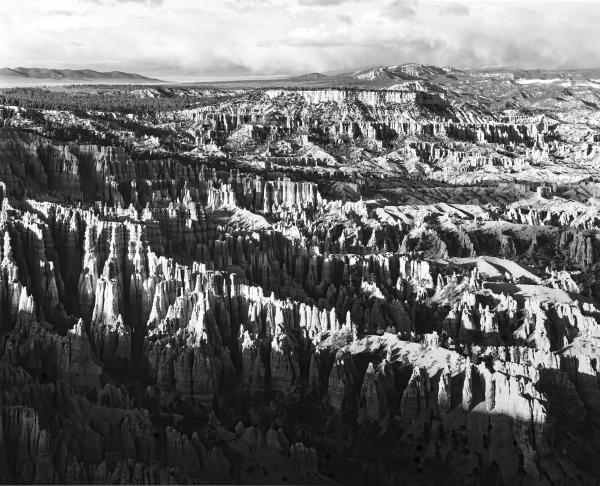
x: 196, y: 39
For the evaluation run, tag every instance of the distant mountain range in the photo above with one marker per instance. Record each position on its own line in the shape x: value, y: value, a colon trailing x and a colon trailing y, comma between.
x: 378, y: 77
x: 308, y: 77
x: 386, y: 76
x: 414, y: 71
x: 73, y: 75
x: 409, y: 71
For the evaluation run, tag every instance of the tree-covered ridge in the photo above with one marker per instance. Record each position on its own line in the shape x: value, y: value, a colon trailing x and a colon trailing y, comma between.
x: 116, y: 99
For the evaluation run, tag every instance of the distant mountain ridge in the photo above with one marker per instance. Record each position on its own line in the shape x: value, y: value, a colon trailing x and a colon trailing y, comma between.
x: 408, y: 71
x: 519, y: 73
x: 374, y: 77
x: 308, y: 76
x: 72, y: 74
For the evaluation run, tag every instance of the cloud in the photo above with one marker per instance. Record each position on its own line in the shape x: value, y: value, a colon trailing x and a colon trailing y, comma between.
x: 400, y: 9
x: 67, y: 13
x: 5, y: 20
x: 321, y: 3
x: 318, y: 36
x: 149, y: 3
x: 454, y: 8
x: 190, y: 39
x: 346, y: 19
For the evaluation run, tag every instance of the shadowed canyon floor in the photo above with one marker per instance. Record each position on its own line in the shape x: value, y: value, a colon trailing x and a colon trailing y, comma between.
x: 385, y: 278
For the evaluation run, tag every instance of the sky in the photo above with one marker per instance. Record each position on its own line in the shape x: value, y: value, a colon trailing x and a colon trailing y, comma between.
x: 202, y: 39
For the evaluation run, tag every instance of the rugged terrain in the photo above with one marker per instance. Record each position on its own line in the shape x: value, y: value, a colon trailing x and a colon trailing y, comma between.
x: 386, y: 277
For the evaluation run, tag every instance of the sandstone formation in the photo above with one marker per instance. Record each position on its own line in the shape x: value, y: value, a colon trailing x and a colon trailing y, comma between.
x: 325, y: 285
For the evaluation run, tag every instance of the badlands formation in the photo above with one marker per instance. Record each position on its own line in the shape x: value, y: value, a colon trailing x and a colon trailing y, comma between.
x: 389, y: 278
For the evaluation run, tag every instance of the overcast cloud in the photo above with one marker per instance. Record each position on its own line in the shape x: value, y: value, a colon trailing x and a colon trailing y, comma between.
x: 191, y: 39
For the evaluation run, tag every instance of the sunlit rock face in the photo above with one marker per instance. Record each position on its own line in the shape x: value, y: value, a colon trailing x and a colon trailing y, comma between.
x: 390, y: 284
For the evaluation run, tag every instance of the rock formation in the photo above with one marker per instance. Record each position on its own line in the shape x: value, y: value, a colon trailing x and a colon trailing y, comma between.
x: 324, y: 285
